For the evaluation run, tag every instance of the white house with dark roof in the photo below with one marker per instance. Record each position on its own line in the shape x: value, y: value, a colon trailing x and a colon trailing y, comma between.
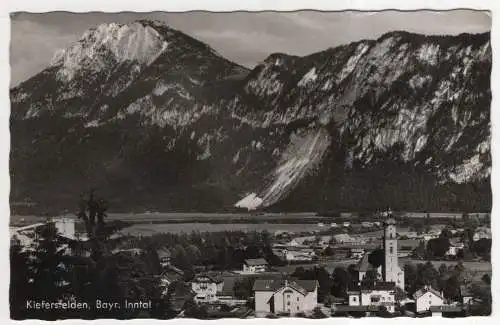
x: 426, y: 298
x: 206, y: 287
x: 165, y: 256
x: 378, y: 294
x: 255, y: 265
x: 364, y: 266
x: 285, y: 296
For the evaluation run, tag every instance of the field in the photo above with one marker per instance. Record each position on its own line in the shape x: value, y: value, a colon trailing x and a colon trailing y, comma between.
x: 150, y: 229
x: 478, y: 268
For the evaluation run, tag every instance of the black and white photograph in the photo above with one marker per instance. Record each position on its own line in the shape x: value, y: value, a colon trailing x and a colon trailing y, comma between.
x: 238, y: 165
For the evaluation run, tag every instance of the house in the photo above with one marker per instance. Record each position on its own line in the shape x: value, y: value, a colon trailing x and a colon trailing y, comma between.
x: 364, y: 266
x: 128, y: 251
x: 299, y: 255
x: 294, y: 243
x: 346, y: 224
x: 164, y: 256
x: 447, y: 310
x: 274, y: 296
x: 333, y: 225
x: 454, y: 249
x: 466, y: 295
x: 357, y: 253
x: 407, y: 246
x: 426, y: 298
x: 377, y: 294
x: 255, y: 265
x: 206, y: 287
x: 344, y: 238
x: 482, y: 233
x: 366, y: 224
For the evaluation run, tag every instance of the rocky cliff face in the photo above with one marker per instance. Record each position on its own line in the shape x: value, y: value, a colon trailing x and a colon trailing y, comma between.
x: 158, y: 120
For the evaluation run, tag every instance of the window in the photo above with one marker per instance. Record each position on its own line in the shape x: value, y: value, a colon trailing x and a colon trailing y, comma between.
x: 383, y: 298
x: 297, y: 307
x: 430, y: 302
x: 297, y: 298
x: 288, y: 303
x: 391, y: 250
x: 375, y: 299
x: 353, y: 298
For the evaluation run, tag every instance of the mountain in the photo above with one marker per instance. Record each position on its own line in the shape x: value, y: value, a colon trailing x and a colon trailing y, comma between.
x: 157, y: 120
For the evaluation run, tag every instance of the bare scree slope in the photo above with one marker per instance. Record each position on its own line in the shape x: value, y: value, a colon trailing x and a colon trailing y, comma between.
x: 158, y: 120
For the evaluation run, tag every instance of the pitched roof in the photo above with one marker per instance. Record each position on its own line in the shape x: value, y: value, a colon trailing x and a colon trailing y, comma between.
x: 302, y: 286
x: 207, y: 278
x: 164, y: 252
x: 424, y: 290
x: 465, y: 292
x: 364, y: 265
x: 369, y: 286
x: 255, y: 261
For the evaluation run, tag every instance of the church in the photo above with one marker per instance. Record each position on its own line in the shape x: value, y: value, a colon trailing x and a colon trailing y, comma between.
x: 379, y: 288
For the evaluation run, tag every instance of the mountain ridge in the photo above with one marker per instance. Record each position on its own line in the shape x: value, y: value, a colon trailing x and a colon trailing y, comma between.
x: 216, y: 130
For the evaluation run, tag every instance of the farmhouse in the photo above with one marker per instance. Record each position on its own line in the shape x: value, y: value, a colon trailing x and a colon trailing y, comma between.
x: 378, y: 294
x: 426, y: 298
x: 206, y: 287
x: 299, y: 255
x: 255, y: 265
x: 164, y: 255
x: 285, y: 296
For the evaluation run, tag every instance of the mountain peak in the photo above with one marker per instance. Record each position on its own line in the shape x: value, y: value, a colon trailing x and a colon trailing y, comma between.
x: 110, y: 43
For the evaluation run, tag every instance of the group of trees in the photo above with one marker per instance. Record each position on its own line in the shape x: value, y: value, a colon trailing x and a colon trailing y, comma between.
x: 48, y: 271
x: 216, y: 250
x: 438, y: 247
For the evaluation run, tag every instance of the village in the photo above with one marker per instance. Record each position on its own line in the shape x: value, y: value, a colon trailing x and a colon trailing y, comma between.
x: 351, y: 269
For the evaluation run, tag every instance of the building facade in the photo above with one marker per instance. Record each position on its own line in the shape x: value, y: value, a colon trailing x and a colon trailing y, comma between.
x: 426, y: 298
x: 255, y: 265
x: 380, y: 294
x: 206, y: 287
x: 274, y: 296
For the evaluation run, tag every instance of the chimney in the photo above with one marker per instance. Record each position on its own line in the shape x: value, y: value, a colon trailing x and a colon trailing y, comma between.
x: 286, y: 282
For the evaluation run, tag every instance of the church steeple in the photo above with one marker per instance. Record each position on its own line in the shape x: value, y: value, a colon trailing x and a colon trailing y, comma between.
x: 391, y: 271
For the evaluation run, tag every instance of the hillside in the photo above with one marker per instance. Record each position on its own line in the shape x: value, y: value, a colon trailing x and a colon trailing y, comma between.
x: 157, y: 120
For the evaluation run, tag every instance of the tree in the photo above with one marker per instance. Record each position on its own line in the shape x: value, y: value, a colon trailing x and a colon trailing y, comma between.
x: 376, y: 258
x: 328, y: 251
x: 370, y: 276
x: 483, y: 295
x: 482, y: 248
x: 341, y: 280
x: 19, y: 288
x: 427, y: 275
x: 45, y: 274
x: 243, y: 289
x: 319, y: 274
x: 399, y: 294
x: 410, y: 274
x: 192, y: 310
x: 452, y: 288
x: 443, y: 269
x: 437, y: 247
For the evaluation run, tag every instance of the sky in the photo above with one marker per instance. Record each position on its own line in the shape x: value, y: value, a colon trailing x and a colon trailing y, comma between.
x: 244, y: 37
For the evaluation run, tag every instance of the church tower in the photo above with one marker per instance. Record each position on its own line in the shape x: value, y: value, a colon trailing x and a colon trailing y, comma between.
x: 391, y: 271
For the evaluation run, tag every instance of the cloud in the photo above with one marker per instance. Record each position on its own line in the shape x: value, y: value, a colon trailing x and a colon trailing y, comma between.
x: 244, y: 37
